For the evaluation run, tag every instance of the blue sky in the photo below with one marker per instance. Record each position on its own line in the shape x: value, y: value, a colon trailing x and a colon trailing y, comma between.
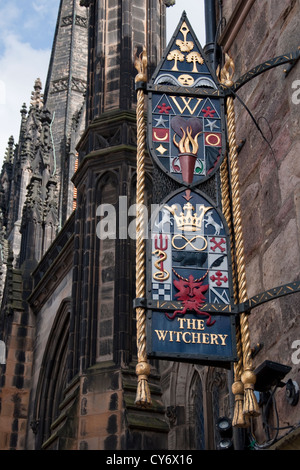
x: 26, y: 35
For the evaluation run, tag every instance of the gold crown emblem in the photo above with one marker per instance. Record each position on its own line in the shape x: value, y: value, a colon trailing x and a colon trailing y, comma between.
x: 188, y: 220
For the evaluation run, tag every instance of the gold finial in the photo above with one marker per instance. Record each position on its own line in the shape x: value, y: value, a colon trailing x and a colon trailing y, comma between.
x: 140, y: 63
x: 227, y: 72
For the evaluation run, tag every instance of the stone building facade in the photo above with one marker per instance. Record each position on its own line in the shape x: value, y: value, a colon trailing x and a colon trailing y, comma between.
x: 67, y: 317
x: 269, y: 179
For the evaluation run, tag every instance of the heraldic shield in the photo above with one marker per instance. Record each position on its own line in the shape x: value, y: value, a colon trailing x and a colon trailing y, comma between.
x: 190, y: 288
x: 186, y: 135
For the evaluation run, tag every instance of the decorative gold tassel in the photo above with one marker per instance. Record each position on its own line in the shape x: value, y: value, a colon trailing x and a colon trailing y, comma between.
x: 239, y: 420
x: 143, y: 397
x: 250, y: 402
x: 247, y: 378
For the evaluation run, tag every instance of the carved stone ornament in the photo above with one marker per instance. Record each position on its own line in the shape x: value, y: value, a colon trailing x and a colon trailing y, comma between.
x: 169, y: 3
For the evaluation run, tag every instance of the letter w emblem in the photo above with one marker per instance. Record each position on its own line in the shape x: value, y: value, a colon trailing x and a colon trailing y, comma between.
x: 187, y: 104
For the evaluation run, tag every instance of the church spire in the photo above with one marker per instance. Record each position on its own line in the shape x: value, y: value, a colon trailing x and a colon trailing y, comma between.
x: 67, y: 74
x: 65, y: 91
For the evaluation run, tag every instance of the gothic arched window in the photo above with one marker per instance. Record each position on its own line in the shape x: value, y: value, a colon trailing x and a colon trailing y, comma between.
x: 196, y: 412
x: 53, y: 376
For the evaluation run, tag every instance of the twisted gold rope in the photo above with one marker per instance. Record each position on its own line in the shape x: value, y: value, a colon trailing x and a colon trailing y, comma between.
x: 237, y: 387
x: 246, y: 380
x: 143, y: 397
x: 248, y: 377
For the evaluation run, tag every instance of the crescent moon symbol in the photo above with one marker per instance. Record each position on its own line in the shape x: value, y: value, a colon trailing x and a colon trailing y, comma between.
x: 166, y: 137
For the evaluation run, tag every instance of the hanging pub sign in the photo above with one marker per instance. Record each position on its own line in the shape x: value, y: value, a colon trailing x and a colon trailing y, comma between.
x: 188, y: 306
x: 189, y: 286
x: 186, y: 112
x: 189, y: 281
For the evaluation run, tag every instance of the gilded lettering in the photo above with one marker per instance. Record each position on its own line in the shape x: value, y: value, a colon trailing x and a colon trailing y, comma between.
x: 214, y: 339
x: 187, y: 102
x: 191, y: 337
x: 196, y: 338
x: 184, y: 335
x: 205, y: 338
x: 178, y: 333
x: 191, y: 324
x: 223, y: 339
x: 161, y: 334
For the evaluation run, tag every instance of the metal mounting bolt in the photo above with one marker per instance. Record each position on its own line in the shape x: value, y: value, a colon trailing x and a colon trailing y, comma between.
x: 292, y: 392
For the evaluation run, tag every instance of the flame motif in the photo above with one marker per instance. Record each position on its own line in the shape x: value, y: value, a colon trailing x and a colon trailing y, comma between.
x: 184, y: 145
x: 188, y: 130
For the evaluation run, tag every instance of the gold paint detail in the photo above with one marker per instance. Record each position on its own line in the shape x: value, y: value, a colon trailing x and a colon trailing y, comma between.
x: 161, y: 149
x: 175, y: 55
x: 185, y: 45
x: 162, y: 275
x: 186, y: 102
x: 186, y: 80
x: 194, y: 58
x: 213, y: 135
x: 186, y: 141
x: 160, y: 139
x: 227, y: 72
x: 189, y: 242
x: 187, y: 220
x: 140, y: 63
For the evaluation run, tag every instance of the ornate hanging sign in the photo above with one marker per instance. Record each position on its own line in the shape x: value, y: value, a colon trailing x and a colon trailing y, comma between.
x: 186, y: 112
x: 189, y: 303
x: 189, y: 287
x: 189, y: 306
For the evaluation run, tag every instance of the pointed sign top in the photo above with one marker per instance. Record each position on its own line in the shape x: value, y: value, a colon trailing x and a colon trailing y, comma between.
x: 184, y: 62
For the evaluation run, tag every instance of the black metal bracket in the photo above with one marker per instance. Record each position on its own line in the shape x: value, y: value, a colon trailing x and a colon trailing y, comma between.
x: 291, y: 66
x: 290, y: 58
x: 271, y: 294
x: 140, y: 303
x: 141, y: 86
x: 223, y: 309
